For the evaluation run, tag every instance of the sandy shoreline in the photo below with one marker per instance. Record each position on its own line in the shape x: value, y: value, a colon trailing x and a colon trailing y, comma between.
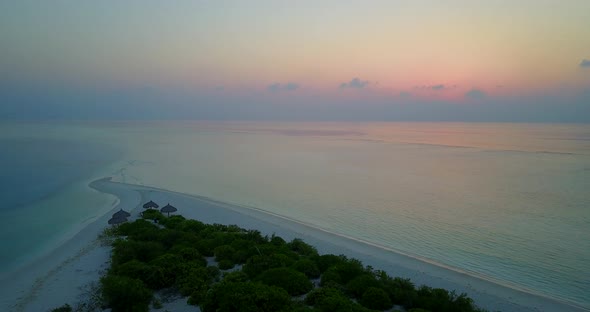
x: 65, y: 275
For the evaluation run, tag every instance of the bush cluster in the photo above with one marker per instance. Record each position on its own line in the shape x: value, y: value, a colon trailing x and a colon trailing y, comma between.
x: 274, y: 275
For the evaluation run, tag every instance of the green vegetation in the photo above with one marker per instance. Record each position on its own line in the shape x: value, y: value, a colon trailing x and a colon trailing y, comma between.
x: 152, y: 214
x: 125, y: 294
x: 64, y: 308
x: 295, y: 283
x: 246, y: 296
x: 250, y: 272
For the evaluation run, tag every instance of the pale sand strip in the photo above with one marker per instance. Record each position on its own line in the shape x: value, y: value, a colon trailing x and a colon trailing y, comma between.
x: 62, y: 276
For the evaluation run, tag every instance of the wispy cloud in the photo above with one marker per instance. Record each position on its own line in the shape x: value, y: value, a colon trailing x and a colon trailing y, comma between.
x: 436, y: 87
x: 475, y: 94
x: 354, y: 83
x: 289, y: 86
x: 585, y: 63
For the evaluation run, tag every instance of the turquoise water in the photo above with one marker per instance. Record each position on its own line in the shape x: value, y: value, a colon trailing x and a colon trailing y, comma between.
x: 43, y: 186
x: 508, y: 202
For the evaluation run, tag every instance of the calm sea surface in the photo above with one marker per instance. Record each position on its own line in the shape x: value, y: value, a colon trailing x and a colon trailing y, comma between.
x: 508, y: 202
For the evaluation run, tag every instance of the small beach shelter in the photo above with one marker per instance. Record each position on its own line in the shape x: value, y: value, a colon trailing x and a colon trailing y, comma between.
x: 114, y: 221
x: 121, y: 214
x: 150, y: 205
x: 168, y: 209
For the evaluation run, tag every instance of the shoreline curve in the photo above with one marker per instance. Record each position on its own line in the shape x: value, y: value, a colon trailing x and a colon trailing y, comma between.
x: 63, y: 275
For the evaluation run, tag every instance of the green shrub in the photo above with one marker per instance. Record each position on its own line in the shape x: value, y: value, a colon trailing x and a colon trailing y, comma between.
x: 299, y: 306
x: 335, y: 304
x: 152, y: 214
x: 206, y: 246
x: 127, y: 250
x: 196, y: 279
x: 225, y: 264
x: 307, y: 267
x: 258, y: 264
x: 169, y: 238
x: 247, y: 297
x: 173, y: 222
x: 255, y: 236
x: 349, y: 270
x: 358, y: 285
x: 136, y: 227
x: 434, y: 299
x: 223, y: 238
x: 224, y: 252
x: 213, y: 272
x: 193, y: 226
x: 198, y: 290
x: 441, y: 300
x: 188, y: 254
x: 133, y: 269
x: 376, y: 298
x: 295, y: 283
x: 331, y: 278
x: 319, y: 293
x: 401, y: 291
x: 165, y: 270
x: 244, y: 249
x: 125, y: 294
x: 302, y: 248
x: 342, y: 272
x: 462, y: 303
x: 235, y: 277
x: 329, y: 299
x: 277, y: 241
x: 173, y: 257
x: 326, y: 261
x: 64, y: 308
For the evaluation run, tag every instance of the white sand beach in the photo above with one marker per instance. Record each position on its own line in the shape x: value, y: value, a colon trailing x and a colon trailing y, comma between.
x: 67, y: 274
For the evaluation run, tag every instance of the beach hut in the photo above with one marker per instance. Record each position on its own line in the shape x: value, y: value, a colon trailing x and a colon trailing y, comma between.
x: 150, y: 205
x: 168, y: 209
x: 115, y: 221
x: 121, y: 214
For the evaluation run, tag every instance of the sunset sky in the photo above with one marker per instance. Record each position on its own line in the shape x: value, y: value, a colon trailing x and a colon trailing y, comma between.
x: 319, y: 60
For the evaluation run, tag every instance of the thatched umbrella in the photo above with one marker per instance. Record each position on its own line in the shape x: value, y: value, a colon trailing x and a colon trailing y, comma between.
x: 117, y: 220
x: 121, y: 214
x: 150, y: 205
x: 168, y: 209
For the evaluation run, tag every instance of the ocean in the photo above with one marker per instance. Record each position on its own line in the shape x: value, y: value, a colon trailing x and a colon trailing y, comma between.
x: 505, y: 202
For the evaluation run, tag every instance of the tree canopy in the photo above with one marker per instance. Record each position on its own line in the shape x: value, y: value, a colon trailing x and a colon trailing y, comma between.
x: 227, y: 268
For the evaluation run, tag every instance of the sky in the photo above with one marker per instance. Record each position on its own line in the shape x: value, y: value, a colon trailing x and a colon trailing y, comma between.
x: 422, y: 60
